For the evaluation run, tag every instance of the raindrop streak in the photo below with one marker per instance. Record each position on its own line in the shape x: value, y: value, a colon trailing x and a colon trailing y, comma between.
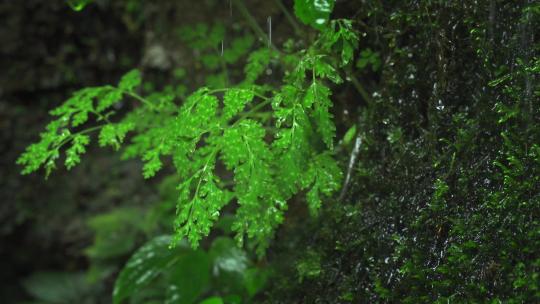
x: 352, y: 162
x: 269, y: 21
x: 221, y: 48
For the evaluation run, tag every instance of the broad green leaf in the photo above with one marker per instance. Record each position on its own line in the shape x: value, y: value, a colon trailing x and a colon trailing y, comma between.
x: 57, y: 287
x: 145, y: 265
x: 255, y: 279
x: 230, y: 264
x: 189, y: 278
x: 314, y: 12
x: 212, y: 300
x: 227, y: 257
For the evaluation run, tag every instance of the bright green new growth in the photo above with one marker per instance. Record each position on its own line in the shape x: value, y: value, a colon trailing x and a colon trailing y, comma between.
x: 275, y: 142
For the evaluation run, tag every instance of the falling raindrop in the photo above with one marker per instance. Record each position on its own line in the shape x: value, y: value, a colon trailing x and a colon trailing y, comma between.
x: 221, y: 47
x: 269, y: 21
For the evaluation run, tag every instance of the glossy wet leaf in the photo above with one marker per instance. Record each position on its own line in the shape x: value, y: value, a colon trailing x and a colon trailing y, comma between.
x: 227, y: 257
x: 146, y: 264
x: 189, y: 277
x: 314, y: 12
x: 230, y: 264
x: 255, y: 280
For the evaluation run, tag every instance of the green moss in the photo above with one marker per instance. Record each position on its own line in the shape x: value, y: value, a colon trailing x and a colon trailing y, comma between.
x: 445, y: 200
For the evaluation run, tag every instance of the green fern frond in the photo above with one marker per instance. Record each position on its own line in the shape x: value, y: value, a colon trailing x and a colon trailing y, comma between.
x: 273, y: 141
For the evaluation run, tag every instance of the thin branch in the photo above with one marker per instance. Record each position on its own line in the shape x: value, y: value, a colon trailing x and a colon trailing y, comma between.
x: 359, y: 87
x: 134, y: 95
x: 71, y: 136
x: 252, y: 22
x: 289, y: 17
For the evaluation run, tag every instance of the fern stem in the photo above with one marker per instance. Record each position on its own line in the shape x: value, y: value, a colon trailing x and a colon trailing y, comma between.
x: 141, y: 99
x: 102, y: 117
x: 71, y: 136
x: 221, y: 90
x: 263, y: 115
x: 261, y: 96
x: 137, y: 97
x: 202, y: 171
x: 352, y: 163
x: 254, y: 109
x: 252, y: 22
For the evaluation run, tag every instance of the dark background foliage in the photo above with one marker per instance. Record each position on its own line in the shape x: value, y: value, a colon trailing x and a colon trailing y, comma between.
x: 444, y: 200
x: 47, y: 51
